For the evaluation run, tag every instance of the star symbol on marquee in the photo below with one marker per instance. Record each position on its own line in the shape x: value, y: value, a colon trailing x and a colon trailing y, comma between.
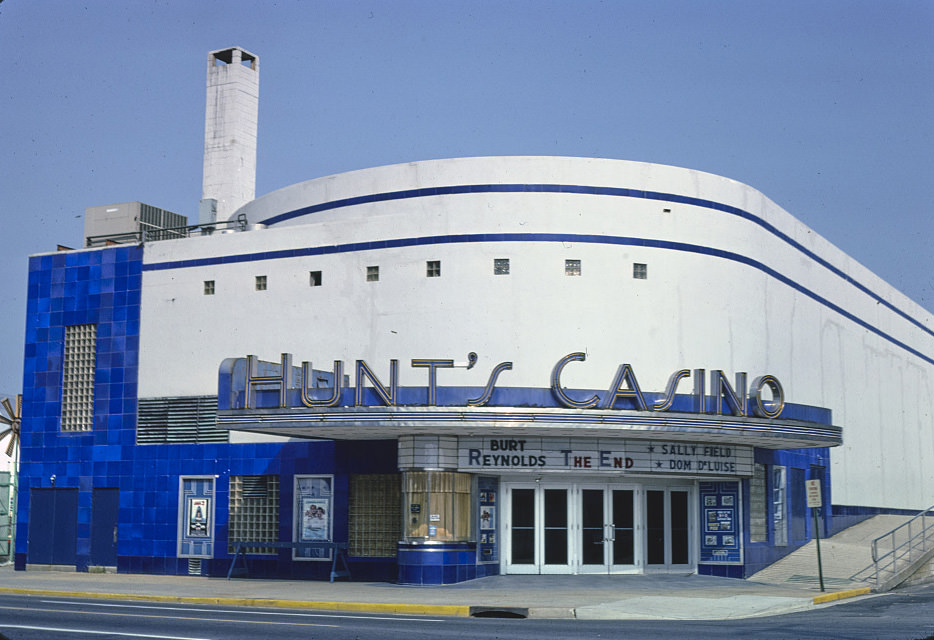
x: 651, y: 448
x: 658, y: 464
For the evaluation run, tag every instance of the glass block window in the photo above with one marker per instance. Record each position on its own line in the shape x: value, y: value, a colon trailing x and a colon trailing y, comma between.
x: 209, y: 287
x: 758, y: 504
x: 375, y: 518
x: 572, y: 267
x: 78, y: 377
x: 254, y: 511
x: 500, y: 266
x: 314, y: 278
x: 640, y: 270
x: 260, y: 283
x: 434, y: 269
x: 372, y: 274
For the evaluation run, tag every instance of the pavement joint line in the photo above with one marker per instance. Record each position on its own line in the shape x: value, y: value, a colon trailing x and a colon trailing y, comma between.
x: 451, y: 610
x: 840, y: 595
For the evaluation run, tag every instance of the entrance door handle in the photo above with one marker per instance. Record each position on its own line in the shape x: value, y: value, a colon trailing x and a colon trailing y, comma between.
x: 115, y: 534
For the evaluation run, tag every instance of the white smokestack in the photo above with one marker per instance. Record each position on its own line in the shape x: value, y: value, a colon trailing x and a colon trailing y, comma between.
x: 230, y: 123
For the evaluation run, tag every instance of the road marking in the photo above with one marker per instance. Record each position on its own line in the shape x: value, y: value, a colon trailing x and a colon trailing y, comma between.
x: 99, y: 633
x: 244, y: 612
x: 139, y: 615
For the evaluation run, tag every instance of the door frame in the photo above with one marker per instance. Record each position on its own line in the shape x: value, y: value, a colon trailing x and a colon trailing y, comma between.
x: 693, y: 541
x: 538, y: 567
x: 608, y: 567
x: 575, y: 535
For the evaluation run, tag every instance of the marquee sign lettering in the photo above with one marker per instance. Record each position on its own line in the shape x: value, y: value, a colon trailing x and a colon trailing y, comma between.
x: 764, y: 398
x: 617, y: 456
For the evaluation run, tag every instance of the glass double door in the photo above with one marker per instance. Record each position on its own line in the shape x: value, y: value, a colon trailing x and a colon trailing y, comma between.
x: 596, y: 528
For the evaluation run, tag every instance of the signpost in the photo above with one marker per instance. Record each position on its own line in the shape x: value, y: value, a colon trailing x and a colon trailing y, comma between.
x: 812, y: 488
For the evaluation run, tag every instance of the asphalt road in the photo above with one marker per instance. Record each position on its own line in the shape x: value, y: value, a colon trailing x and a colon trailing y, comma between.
x: 907, y: 614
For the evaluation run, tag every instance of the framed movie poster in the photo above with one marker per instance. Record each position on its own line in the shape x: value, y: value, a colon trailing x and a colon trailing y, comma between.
x: 316, y: 518
x: 487, y: 517
x: 198, y: 517
x: 195, y: 517
x: 487, y: 549
x: 313, y: 522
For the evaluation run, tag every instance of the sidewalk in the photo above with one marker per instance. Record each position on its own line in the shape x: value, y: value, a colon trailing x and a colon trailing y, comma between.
x: 595, y: 597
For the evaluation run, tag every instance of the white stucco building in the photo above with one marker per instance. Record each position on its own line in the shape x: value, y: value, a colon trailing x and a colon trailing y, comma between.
x: 514, y: 365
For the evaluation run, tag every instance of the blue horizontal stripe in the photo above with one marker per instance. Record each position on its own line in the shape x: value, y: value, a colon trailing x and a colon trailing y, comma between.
x: 539, y: 237
x: 591, y: 190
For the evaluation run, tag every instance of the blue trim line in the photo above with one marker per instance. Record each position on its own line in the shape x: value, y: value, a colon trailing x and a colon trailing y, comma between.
x: 535, y: 237
x: 589, y: 190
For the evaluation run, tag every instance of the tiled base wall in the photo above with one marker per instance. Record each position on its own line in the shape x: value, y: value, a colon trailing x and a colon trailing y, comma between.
x: 441, y: 564
x: 844, y: 516
x: 721, y: 570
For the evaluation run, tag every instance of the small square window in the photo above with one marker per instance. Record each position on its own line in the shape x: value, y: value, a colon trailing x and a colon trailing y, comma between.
x: 640, y: 271
x: 209, y: 287
x: 500, y: 266
x: 572, y: 267
x: 260, y: 283
x: 314, y: 278
x: 434, y: 269
x: 372, y: 274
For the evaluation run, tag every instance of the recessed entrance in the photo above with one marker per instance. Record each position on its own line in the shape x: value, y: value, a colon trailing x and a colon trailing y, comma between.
x: 573, y: 528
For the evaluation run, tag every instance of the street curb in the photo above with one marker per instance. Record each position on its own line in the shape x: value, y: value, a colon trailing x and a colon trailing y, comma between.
x: 359, y: 607
x: 840, y: 595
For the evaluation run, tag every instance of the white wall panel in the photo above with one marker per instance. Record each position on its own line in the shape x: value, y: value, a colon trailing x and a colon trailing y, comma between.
x: 693, y: 311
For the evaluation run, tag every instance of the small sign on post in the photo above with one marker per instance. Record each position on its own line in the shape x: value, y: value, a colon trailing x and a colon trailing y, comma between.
x: 813, y: 493
x: 812, y: 489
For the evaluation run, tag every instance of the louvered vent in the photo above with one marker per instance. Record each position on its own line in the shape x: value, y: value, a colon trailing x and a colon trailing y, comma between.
x: 188, y: 419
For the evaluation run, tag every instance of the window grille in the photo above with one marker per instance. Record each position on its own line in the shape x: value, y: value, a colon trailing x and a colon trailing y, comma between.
x: 78, y: 377
x: 181, y: 419
x: 572, y: 267
x: 209, y: 287
x: 640, y: 271
x: 155, y: 223
x: 434, y: 269
x: 260, y: 283
x: 314, y: 278
x: 500, y: 266
x: 375, y: 515
x: 254, y: 511
x: 372, y: 274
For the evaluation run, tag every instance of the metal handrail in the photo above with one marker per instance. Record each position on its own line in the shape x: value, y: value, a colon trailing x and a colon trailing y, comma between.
x: 904, y: 545
x: 168, y: 233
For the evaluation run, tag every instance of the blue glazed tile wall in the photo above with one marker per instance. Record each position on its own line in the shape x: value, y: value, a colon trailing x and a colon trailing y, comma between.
x: 758, y: 555
x: 438, y: 564
x: 103, y: 287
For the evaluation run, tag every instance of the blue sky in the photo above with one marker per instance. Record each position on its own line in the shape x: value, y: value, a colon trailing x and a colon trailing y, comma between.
x: 827, y: 107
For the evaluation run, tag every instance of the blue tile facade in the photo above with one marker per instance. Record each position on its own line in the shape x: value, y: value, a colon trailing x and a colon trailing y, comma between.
x: 102, y: 287
x: 421, y: 564
x: 801, y: 465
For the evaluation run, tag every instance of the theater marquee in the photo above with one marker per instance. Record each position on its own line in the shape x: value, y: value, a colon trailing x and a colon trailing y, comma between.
x: 613, y: 456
